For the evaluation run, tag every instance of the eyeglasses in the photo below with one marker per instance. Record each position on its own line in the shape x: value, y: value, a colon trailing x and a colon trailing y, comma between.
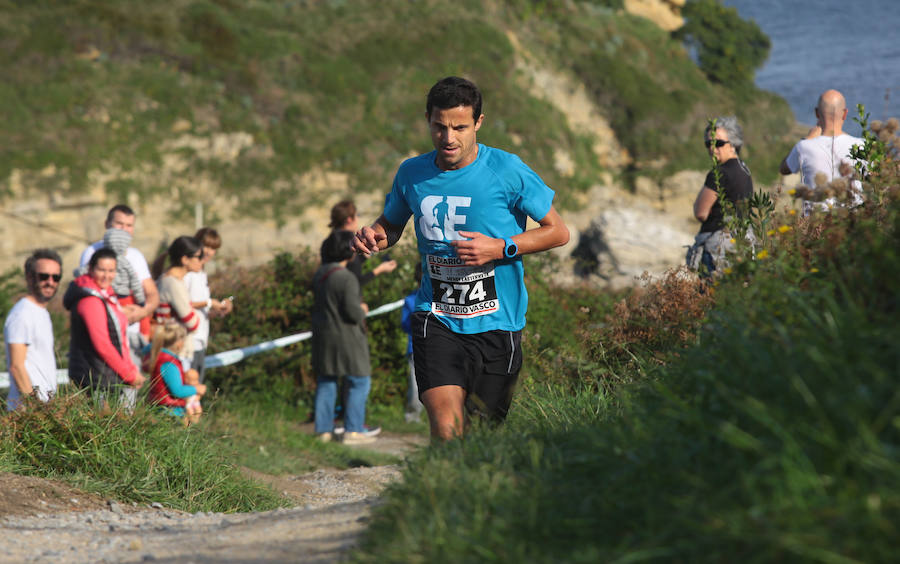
x: 719, y: 143
x: 198, y: 255
x: 44, y: 276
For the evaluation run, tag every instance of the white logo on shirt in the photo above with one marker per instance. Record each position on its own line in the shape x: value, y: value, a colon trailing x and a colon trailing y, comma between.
x: 440, y: 218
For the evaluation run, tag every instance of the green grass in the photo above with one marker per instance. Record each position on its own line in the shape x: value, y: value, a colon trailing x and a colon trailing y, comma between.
x: 774, y: 438
x: 145, y: 457
x: 267, y: 436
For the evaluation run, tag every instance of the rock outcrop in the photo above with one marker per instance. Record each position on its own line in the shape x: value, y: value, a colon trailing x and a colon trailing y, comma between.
x: 664, y: 13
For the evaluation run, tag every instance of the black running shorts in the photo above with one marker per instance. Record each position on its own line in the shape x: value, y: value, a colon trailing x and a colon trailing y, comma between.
x: 486, y: 365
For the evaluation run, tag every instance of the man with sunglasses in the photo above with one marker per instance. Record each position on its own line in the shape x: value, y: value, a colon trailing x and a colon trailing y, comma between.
x: 28, y: 332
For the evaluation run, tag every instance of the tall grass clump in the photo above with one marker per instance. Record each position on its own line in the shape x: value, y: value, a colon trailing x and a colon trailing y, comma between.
x: 771, y: 436
x: 143, y: 457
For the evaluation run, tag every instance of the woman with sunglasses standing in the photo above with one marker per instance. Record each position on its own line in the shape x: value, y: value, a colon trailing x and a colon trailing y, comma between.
x: 185, y: 255
x: 99, y: 358
x: 728, y: 182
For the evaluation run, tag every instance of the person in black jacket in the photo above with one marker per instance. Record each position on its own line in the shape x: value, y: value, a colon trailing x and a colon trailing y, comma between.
x: 729, y: 180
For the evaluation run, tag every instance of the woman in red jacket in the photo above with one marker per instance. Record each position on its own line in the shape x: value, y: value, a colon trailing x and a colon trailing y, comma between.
x: 99, y: 359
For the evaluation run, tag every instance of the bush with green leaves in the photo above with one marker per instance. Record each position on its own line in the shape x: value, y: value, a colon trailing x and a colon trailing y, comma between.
x: 729, y: 48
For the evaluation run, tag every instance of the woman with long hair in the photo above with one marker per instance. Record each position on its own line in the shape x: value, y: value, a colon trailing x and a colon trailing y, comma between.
x: 185, y: 255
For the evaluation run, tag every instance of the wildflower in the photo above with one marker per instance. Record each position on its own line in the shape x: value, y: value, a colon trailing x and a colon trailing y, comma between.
x: 727, y: 270
x: 763, y: 254
x: 770, y: 232
x: 814, y: 270
x: 732, y: 241
x: 792, y: 212
x: 784, y: 229
x: 791, y: 192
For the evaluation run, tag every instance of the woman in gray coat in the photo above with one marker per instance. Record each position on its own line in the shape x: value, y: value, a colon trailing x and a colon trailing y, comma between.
x: 339, y: 344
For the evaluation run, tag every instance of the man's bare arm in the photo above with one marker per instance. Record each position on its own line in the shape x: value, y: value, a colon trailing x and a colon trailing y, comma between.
x: 481, y: 249
x: 17, y: 352
x: 377, y: 237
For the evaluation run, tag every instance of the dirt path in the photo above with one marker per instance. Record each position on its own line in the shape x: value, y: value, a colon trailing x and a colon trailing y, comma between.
x: 45, y: 521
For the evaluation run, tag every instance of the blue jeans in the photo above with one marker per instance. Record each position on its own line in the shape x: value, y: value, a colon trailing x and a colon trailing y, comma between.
x: 354, y: 410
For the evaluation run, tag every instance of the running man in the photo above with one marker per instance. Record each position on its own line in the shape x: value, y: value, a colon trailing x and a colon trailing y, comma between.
x: 470, y: 307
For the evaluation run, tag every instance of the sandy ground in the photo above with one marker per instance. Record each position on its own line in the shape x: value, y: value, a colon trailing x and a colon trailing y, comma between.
x: 46, y: 521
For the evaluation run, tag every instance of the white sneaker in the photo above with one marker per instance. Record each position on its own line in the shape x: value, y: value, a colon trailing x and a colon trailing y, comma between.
x: 353, y: 438
x: 325, y: 437
x: 367, y: 431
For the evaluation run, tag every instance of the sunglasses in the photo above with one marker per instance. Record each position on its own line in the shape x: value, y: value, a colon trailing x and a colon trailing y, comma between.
x: 719, y: 143
x: 44, y: 276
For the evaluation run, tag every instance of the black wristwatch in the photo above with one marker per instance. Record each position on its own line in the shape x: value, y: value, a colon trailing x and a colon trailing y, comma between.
x: 510, y: 249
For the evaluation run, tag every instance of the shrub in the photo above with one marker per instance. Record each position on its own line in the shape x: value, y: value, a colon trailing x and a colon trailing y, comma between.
x: 729, y: 48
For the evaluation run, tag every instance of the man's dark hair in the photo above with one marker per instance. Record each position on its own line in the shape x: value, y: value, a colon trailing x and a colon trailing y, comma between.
x: 118, y: 208
x: 102, y: 253
x: 454, y: 91
x: 37, y: 255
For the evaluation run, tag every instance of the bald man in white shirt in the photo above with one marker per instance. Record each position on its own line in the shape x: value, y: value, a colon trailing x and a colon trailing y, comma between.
x: 824, y: 149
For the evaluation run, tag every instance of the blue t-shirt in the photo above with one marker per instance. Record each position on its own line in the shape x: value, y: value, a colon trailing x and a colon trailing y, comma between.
x: 493, y: 195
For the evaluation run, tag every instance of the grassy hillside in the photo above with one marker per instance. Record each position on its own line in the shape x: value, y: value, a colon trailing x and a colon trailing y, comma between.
x: 100, y: 86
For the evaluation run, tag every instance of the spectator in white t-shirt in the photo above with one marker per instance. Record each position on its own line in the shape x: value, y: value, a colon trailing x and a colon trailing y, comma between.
x: 201, y: 300
x: 825, y: 150
x: 28, y: 332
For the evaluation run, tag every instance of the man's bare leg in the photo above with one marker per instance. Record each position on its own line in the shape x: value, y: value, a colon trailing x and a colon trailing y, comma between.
x: 445, y: 411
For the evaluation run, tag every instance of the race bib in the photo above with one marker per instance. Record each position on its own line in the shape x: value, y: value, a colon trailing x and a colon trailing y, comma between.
x: 459, y: 290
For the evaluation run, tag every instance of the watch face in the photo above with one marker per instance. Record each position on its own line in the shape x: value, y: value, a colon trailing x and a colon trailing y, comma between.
x: 511, y: 250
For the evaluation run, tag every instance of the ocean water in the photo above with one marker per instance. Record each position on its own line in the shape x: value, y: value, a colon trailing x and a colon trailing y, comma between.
x: 850, y: 45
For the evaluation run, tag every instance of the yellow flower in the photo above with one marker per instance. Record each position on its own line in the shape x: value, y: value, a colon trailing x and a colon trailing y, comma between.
x: 784, y: 229
x: 727, y: 270
x: 770, y: 232
x: 793, y: 212
x: 762, y: 254
x: 733, y: 241
x: 791, y: 192
x: 813, y: 270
